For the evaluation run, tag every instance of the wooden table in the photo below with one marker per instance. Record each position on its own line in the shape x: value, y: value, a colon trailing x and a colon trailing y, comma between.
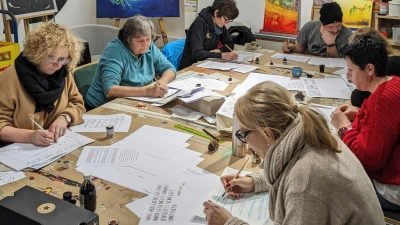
x: 111, y: 197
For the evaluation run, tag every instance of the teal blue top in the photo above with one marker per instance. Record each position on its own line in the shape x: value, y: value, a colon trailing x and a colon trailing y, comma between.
x: 119, y: 66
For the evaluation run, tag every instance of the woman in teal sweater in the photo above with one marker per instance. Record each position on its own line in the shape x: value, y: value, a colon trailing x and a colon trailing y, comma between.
x: 128, y: 64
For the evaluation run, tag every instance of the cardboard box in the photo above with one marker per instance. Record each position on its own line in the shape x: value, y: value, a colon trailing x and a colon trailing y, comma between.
x: 32, y: 207
x: 207, y: 105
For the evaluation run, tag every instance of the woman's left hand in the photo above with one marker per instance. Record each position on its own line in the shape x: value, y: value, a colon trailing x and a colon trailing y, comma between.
x: 215, y: 214
x: 58, y: 127
x: 339, y: 119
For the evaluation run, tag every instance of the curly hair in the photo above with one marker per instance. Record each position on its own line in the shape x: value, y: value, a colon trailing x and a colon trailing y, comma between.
x: 49, y: 37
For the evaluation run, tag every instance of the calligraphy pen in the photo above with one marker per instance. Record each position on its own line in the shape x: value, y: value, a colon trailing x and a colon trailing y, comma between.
x: 237, y: 175
x: 155, y: 78
x: 228, y: 48
x: 210, y: 135
x: 40, y: 127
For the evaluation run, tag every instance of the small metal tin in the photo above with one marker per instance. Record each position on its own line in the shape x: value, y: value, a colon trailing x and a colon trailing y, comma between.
x: 113, y: 222
x: 66, y: 164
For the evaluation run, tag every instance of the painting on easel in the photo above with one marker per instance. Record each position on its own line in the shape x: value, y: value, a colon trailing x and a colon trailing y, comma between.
x: 281, y: 16
x: 128, y: 8
x: 321, y: 2
x: 356, y: 13
x: 29, y: 8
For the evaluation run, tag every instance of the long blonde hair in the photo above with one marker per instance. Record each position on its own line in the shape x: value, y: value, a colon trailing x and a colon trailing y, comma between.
x: 269, y: 105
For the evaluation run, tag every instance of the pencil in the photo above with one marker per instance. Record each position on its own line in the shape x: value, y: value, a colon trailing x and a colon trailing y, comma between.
x: 210, y: 134
x: 237, y: 174
x: 40, y: 127
x: 155, y: 78
x: 228, y: 48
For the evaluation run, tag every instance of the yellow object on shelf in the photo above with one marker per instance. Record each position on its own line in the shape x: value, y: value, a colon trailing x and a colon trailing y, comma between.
x: 9, y: 51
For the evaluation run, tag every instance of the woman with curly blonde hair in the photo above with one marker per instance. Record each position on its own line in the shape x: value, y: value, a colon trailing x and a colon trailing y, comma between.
x: 40, y: 86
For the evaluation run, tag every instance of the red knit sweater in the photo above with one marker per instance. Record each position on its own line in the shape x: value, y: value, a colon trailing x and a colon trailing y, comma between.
x: 375, y: 137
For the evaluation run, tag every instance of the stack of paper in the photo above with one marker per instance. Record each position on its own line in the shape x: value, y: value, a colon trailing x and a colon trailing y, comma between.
x: 20, y: 156
x: 98, y: 123
x: 10, y: 176
x: 326, y: 88
x: 291, y: 57
x: 138, y: 160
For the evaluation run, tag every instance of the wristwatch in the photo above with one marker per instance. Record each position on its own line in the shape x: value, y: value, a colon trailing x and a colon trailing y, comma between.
x: 331, y: 45
x: 67, y: 118
x: 342, y: 130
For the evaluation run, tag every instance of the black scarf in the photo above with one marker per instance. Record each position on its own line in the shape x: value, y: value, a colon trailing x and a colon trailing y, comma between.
x: 45, y: 91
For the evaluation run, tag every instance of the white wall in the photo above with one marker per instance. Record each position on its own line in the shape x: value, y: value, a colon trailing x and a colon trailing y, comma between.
x: 252, y: 12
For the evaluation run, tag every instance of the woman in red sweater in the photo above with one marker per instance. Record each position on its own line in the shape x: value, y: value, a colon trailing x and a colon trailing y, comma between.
x: 373, y: 132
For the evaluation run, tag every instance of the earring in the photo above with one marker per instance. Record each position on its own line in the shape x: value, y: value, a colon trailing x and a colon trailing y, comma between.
x: 369, y: 78
x: 268, y: 145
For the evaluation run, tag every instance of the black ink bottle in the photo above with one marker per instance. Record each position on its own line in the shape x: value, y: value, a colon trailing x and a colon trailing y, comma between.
x: 67, y: 196
x: 257, y: 60
x: 87, y: 193
x: 284, y: 60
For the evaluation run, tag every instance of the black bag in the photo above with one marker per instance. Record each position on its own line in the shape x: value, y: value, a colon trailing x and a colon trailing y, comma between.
x: 244, y: 35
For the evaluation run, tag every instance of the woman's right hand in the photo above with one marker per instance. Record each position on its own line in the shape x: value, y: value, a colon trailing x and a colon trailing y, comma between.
x: 155, y: 91
x: 229, y: 55
x: 349, y: 111
x: 238, y: 185
x: 42, y: 138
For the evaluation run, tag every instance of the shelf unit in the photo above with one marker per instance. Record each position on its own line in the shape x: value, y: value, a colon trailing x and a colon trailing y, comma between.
x: 380, y: 19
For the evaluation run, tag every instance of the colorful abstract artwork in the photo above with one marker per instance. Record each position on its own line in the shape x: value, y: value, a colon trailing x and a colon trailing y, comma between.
x: 281, y: 16
x: 128, y: 8
x: 356, y: 13
x: 321, y: 2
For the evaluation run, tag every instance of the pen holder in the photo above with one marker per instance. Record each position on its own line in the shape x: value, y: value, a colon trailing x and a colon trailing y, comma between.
x: 297, y: 71
x: 238, y: 148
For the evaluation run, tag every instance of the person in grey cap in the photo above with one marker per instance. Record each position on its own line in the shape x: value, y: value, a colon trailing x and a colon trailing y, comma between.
x: 323, y: 37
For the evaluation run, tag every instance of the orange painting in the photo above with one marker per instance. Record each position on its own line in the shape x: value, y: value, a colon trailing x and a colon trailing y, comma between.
x: 280, y: 16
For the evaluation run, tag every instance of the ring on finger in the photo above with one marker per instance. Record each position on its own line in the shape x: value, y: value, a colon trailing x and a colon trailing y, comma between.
x: 60, y: 132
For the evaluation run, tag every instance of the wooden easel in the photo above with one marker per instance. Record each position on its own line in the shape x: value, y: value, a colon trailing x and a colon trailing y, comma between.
x: 162, y: 28
x: 26, y: 20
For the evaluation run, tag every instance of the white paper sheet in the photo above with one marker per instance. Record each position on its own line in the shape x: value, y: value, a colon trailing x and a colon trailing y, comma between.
x: 191, y: 83
x: 98, y: 123
x: 199, y: 95
x: 316, y: 61
x: 138, y: 205
x: 297, y: 58
x: 156, y: 141
x: 151, y: 99
x: 256, y: 78
x: 326, y: 111
x: 111, y: 156
x: 228, y: 107
x: 326, y: 88
x: 217, y: 65
x: 294, y: 85
x: 25, y: 155
x: 10, y: 176
x: 171, y: 200
x: 252, y: 208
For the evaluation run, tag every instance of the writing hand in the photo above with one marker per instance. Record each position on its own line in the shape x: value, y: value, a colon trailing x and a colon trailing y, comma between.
x: 215, y: 214
x: 238, y: 185
x: 287, y: 47
x: 41, y: 138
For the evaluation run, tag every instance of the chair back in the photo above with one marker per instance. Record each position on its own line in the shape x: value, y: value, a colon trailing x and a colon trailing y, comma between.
x: 96, y: 35
x: 173, y: 51
x: 83, y: 76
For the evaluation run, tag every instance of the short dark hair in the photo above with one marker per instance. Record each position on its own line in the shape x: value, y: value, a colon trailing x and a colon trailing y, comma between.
x: 369, y: 49
x: 226, y: 8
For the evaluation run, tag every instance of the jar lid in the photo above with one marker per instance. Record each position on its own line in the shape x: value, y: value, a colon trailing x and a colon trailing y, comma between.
x: 87, y: 176
x: 67, y: 195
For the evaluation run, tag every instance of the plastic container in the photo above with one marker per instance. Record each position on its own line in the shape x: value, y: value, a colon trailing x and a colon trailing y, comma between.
x: 8, y: 53
x: 394, y: 8
x: 396, y: 34
x: 383, y: 8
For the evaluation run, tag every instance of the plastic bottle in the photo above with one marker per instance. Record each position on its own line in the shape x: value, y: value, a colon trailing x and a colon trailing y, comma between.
x: 87, y: 193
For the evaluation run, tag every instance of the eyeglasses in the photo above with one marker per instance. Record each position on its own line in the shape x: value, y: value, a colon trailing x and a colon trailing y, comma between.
x: 63, y: 61
x: 227, y: 20
x: 242, y: 136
